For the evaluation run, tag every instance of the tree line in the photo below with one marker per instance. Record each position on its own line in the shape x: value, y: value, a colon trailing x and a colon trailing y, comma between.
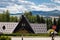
x: 5, y: 17
x: 34, y: 18
x: 39, y: 19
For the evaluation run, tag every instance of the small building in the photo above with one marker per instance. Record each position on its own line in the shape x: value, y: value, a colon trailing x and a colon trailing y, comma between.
x: 23, y: 26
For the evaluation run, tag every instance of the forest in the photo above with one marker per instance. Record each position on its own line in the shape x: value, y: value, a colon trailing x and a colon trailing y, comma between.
x: 5, y: 17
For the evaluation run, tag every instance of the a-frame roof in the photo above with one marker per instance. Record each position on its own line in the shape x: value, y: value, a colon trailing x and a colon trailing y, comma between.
x: 27, y: 25
x: 11, y: 27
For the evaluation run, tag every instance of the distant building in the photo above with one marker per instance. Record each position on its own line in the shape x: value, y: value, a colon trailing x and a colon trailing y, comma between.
x: 23, y: 26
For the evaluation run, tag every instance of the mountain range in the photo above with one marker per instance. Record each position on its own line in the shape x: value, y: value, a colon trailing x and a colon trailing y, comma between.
x: 43, y: 13
x: 47, y: 13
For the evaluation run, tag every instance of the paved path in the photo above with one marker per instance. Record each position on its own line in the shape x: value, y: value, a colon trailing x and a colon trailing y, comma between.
x: 34, y: 38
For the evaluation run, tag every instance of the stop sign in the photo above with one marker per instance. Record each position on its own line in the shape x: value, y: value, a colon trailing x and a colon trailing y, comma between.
x: 54, y: 27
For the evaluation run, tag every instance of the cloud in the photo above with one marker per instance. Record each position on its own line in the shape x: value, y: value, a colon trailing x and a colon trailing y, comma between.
x: 26, y: 2
x: 15, y: 6
x: 41, y: 8
x: 57, y: 8
x: 56, y: 1
x: 44, y: 7
x: 1, y: 10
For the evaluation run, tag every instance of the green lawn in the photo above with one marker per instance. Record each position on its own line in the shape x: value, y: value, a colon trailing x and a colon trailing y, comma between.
x: 18, y: 34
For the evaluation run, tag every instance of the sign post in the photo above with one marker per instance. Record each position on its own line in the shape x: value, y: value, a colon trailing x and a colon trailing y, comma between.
x: 22, y: 37
x: 53, y: 34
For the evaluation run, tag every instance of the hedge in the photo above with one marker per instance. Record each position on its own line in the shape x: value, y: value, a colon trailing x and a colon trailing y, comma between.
x: 5, y: 38
x: 18, y: 34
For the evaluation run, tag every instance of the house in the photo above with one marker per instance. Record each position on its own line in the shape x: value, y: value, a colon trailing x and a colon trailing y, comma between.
x: 23, y: 26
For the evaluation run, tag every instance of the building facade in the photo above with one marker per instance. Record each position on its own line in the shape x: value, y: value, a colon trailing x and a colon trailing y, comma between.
x: 22, y: 26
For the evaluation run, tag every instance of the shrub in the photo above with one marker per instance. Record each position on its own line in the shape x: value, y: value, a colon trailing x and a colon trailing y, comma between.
x: 18, y: 34
x: 5, y: 38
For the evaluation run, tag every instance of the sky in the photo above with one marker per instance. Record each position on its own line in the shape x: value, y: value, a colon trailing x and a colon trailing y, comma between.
x: 16, y: 6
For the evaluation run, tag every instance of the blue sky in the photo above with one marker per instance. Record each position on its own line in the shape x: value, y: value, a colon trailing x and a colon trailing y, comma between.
x: 40, y: 1
x: 15, y: 6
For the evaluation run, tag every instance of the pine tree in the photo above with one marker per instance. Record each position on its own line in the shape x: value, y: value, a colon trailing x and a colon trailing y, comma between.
x: 11, y: 19
x: 16, y: 19
x: 42, y: 20
x: 7, y: 16
x: 3, y: 17
x: 49, y: 23
x: 38, y: 19
x: 54, y: 22
x: 58, y: 25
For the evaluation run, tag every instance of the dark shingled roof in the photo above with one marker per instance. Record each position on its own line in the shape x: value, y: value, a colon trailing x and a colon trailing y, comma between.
x: 31, y: 27
x: 34, y: 27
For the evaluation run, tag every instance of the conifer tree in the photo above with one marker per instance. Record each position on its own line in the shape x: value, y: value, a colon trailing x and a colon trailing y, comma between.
x: 7, y: 16
x: 38, y: 19
x: 54, y: 22
x: 58, y: 25
x: 42, y: 20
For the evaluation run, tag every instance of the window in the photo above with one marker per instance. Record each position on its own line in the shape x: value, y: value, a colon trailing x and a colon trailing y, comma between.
x: 23, y: 24
x: 3, y: 27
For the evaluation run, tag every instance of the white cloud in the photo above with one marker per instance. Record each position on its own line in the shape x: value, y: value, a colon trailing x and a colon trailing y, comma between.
x: 15, y: 6
x: 26, y: 2
x: 57, y: 1
x: 2, y: 9
x: 12, y: 9
x: 43, y: 7
x: 57, y: 8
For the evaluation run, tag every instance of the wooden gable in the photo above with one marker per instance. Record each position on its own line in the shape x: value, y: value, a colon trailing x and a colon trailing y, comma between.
x: 24, y: 25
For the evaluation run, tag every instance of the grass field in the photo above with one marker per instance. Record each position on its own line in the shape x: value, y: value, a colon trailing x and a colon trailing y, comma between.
x: 17, y: 34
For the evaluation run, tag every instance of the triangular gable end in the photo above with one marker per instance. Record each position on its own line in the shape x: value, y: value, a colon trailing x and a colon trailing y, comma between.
x: 24, y: 23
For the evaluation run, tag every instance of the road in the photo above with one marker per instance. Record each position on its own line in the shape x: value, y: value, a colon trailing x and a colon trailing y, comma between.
x: 35, y: 38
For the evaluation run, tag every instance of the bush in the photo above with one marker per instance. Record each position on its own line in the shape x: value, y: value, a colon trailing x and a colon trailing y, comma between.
x: 59, y: 34
x: 18, y: 34
x: 5, y: 38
